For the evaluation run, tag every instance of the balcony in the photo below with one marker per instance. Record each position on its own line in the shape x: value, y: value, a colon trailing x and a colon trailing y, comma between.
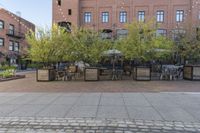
x: 15, y: 34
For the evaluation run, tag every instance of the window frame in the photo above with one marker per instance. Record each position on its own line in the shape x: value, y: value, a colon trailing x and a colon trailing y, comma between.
x: 3, y: 24
x: 163, y: 33
x: 10, y: 41
x: 87, y: 17
x: 11, y: 31
x: 141, y: 16
x: 123, y: 17
x: 14, y: 47
x: 3, y: 42
x: 179, y: 15
x: 160, y: 16
x: 105, y: 17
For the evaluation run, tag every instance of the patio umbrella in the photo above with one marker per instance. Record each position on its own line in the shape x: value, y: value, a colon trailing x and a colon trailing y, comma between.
x: 114, y: 53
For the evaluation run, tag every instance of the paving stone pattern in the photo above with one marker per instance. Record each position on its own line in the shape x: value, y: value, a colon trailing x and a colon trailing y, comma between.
x: 90, y: 125
x: 100, y: 112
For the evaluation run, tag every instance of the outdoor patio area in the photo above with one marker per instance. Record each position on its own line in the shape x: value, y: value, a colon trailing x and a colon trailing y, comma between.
x: 29, y: 84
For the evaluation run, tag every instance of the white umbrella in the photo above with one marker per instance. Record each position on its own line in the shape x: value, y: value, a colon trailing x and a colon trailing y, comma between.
x: 112, y: 52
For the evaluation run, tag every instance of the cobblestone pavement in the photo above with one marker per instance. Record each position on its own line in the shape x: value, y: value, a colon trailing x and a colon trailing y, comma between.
x: 90, y: 125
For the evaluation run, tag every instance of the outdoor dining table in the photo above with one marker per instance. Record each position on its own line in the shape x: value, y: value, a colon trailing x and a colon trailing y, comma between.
x: 171, y: 71
x: 116, y: 74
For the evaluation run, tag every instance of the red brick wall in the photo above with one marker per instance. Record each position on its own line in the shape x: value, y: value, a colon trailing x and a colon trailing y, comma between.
x: 9, y: 19
x: 131, y: 6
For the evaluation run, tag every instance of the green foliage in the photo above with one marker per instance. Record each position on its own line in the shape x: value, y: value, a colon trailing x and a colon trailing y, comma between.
x: 188, y: 45
x: 6, y: 67
x: 143, y: 44
x: 35, y: 65
x: 49, y: 46
x: 9, y: 72
x: 88, y: 46
x: 57, y: 45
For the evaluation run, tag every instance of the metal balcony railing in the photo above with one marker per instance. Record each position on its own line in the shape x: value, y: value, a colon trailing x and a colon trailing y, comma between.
x: 15, y: 34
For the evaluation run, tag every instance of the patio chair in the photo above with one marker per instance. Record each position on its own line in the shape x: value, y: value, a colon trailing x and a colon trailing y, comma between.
x: 165, y: 74
x: 60, y: 75
x: 72, y: 72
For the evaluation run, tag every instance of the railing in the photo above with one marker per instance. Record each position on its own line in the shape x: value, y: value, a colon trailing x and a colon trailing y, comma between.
x: 15, y: 34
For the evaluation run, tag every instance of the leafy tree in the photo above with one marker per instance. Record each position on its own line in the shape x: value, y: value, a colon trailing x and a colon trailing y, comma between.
x: 49, y: 46
x: 89, y: 46
x: 187, y: 43
x: 143, y: 44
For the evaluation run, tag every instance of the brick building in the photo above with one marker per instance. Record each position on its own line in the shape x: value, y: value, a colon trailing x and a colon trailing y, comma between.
x: 12, y: 36
x: 112, y: 15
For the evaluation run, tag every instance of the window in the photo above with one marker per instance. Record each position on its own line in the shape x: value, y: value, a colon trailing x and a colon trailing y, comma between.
x: 179, y: 15
x: 11, y: 46
x: 161, y: 32
x: 198, y: 15
x: 1, y: 42
x: 123, y: 17
x: 1, y: 24
x: 16, y: 46
x: 122, y: 33
x: 141, y: 16
x: 87, y: 17
x: 160, y: 16
x: 11, y: 29
x: 197, y: 34
x: 178, y: 34
x: 69, y: 11
x: 59, y: 2
x: 105, y: 17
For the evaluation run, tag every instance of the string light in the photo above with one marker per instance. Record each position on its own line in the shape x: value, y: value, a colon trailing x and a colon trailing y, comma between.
x: 62, y: 14
x: 16, y: 19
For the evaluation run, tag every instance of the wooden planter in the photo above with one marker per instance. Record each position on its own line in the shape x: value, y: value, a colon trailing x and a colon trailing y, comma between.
x: 91, y: 74
x: 12, y: 78
x: 142, y: 73
x: 191, y: 73
x: 44, y: 75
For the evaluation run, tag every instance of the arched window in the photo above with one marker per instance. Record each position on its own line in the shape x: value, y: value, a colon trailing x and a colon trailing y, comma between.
x: 66, y: 25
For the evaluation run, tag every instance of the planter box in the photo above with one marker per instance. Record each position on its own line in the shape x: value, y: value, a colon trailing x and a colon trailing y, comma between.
x: 91, y: 74
x: 12, y: 78
x: 142, y: 73
x: 46, y: 75
x: 191, y: 73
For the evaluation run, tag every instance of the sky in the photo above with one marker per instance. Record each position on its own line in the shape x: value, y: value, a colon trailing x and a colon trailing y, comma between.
x: 38, y: 12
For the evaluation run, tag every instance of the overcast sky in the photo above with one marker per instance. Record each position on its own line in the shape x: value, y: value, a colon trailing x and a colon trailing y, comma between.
x: 38, y: 12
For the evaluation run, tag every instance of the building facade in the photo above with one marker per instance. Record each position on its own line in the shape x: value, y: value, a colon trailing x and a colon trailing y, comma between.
x: 13, y: 44
x: 112, y: 15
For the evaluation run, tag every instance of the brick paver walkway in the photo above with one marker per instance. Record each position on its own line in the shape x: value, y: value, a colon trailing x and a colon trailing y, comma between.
x: 90, y: 125
x: 29, y: 84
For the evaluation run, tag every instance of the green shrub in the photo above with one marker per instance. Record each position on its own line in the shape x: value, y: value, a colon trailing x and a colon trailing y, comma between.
x: 6, y: 67
x: 35, y: 65
x: 7, y: 73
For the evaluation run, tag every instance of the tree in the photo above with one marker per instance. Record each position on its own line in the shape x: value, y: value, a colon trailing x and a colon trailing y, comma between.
x: 89, y: 46
x: 49, y: 46
x: 143, y: 44
x: 187, y: 43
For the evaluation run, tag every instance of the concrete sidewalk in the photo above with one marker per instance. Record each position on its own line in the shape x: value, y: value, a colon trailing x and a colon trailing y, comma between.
x: 183, y: 107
